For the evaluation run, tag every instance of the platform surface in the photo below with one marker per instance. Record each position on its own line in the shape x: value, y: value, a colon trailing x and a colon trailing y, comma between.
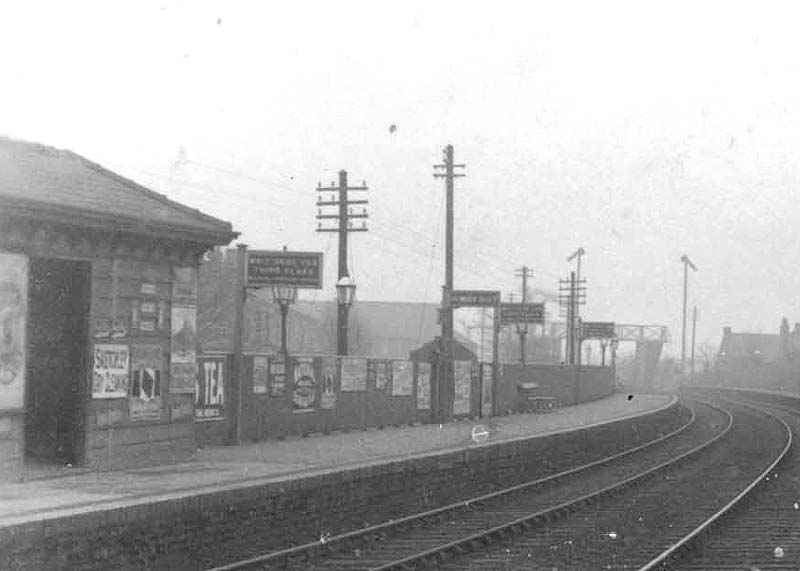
x: 224, y: 467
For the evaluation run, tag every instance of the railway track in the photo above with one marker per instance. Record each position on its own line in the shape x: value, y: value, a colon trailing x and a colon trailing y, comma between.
x: 432, y: 537
x: 764, y: 532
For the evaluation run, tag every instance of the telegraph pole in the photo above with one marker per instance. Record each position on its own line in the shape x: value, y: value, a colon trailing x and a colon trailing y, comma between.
x: 449, y: 175
x: 522, y: 328
x: 344, y: 218
x: 572, y: 294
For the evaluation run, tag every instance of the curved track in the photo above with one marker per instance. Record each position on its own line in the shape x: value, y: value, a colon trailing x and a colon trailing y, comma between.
x: 437, y: 535
x: 763, y: 532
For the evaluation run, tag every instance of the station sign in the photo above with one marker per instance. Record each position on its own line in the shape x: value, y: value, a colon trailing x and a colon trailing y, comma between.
x: 521, y: 313
x: 473, y: 298
x: 283, y: 268
x: 598, y: 330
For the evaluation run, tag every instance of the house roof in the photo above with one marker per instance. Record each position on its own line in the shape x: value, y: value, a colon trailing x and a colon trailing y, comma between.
x: 764, y: 345
x: 51, y: 184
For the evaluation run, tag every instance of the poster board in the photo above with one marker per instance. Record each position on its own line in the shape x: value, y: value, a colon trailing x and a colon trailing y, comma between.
x: 463, y: 386
x: 210, y: 394
x: 111, y: 371
x: 304, y: 389
x: 13, y: 322
x: 330, y: 366
x: 402, y: 378
x: 354, y: 374
x: 423, y: 385
x: 260, y: 375
x: 277, y: 376
x: 147, y: 378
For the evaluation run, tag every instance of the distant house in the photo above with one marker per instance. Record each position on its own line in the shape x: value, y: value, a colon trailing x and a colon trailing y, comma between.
x: 743, y: 349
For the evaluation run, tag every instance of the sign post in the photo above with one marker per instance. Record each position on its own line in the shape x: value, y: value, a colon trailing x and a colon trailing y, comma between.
x: 284, y: 268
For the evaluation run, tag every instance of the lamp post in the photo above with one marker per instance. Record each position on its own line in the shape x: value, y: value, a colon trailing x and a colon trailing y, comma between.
x: 614, y: 344
x: 345, y: 295
x: 284, y: 296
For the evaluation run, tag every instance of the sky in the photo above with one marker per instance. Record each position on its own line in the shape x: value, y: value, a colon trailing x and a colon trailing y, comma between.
x: 640, y: 131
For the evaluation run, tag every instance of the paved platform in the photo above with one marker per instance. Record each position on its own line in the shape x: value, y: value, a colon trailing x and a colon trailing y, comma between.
x: 221, y: 468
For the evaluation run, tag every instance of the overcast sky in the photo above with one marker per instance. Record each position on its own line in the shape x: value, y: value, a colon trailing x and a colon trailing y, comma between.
x: 640, y: 131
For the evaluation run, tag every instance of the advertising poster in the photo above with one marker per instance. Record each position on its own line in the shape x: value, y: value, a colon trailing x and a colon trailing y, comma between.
x: 402, y: 378
x: 111, y: 371
x: 260, y: 375
x: 13, y: 315
x: 486, y: 399
x: 184, y: 285
x: 381, y: 375
x: 463, y: 382
x: 423, y: 386
x: 277, y: 376
x: 147, y: 367
x: 328, y: 397
x: 304, y: 395
x: 184, y: 334
x: 182, y: 377
x: 210, y: 394
x: 354, y: 374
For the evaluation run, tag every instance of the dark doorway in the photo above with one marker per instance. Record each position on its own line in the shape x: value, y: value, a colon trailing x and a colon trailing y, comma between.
x: 58, y: 336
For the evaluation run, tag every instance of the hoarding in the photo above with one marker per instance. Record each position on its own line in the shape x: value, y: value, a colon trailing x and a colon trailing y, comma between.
x: 521, y: 313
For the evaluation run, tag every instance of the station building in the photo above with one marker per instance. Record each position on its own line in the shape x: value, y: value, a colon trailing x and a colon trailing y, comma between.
x: 98, y: 306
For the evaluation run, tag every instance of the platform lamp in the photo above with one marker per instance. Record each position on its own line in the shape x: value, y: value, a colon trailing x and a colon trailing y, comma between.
x: 284, y: 296
x: 345, y: 295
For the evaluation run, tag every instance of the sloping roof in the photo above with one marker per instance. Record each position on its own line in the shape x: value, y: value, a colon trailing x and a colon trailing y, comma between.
x: 764, y: 345
x: 53, y: 184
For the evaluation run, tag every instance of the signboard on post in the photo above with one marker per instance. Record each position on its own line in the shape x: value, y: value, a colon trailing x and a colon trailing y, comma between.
x: 521, y: 313
x: 473, y: 298
x: 598, y: 330
x: 293, y: 269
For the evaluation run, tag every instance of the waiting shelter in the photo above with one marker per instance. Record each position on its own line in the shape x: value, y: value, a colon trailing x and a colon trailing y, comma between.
x: 98, y: 304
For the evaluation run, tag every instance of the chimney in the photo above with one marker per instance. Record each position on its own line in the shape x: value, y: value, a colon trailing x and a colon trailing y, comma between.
x: 726, y: 331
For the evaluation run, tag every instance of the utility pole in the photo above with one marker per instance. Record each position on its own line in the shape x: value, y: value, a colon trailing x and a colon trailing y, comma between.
x: 445, y: 380
x: 687, y: 263
x: 522, y: 328
x: 449, y: 175
x: 577, y: 254
x: 344, y: 218
x: 572, y: 294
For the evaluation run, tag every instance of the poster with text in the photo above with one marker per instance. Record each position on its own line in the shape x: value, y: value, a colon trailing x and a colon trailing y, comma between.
x: 463, y: 382
x: 147, y: 372
x: 381, y: 375
x: 402, y: 378
x: 111, y: 371
x: 260, y: 375
x: 354, y: 374
x: 329, y: 374
x: 184, y: 334
x: 486, y: 400
x: 277, y: 377
x: 13, y: 315
x: 423, y: 386
x: 304, y: 392
x: 210, y: 394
